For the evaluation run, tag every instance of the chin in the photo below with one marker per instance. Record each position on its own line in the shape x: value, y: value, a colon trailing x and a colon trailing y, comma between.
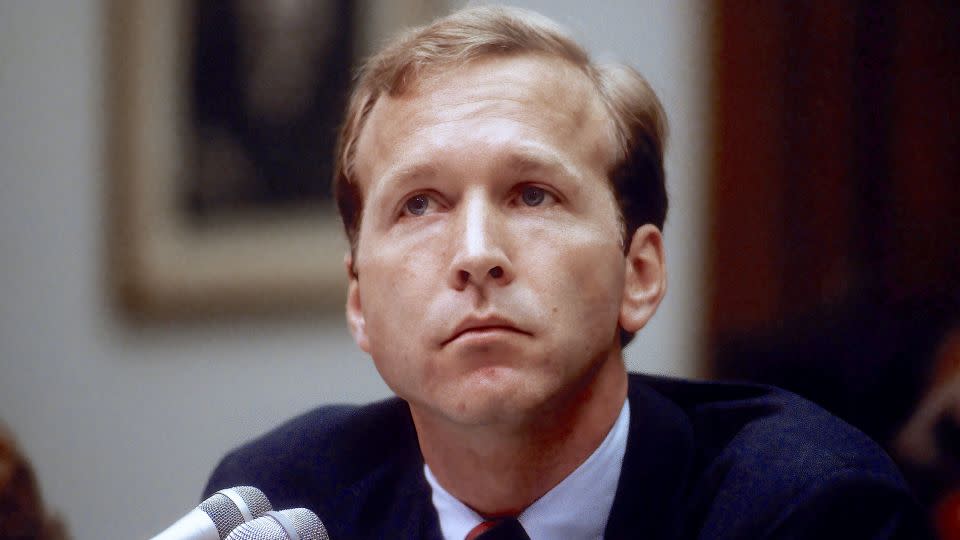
x: 496, y: 395
x: 490, y: 413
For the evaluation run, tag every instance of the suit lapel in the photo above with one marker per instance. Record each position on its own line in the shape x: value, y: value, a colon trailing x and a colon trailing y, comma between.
x: 656, y: 467
x: 393, y: 499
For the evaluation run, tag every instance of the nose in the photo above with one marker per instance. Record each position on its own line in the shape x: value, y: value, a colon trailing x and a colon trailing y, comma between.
x: 479, y: 256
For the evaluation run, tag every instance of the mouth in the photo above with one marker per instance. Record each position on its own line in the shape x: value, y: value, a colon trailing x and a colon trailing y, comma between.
x: 480, y: 329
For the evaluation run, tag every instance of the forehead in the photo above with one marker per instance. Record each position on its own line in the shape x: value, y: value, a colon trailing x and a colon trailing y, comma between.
x: 530, y: 98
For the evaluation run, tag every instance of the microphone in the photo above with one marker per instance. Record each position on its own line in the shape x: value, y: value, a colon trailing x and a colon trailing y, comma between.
x: 294, y: 524
x: 215, y: 517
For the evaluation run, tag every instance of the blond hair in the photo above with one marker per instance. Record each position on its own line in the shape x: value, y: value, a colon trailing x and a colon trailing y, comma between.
x: 639, y: 122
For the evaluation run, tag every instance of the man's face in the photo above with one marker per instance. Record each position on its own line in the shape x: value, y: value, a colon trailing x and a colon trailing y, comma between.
x: 489, y: 268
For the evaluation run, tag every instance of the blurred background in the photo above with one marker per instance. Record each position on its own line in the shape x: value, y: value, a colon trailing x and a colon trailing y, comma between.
x: 169, y: 274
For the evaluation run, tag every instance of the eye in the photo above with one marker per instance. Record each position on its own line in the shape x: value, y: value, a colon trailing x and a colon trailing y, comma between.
x: 532, y: 195
x: 417, y: 205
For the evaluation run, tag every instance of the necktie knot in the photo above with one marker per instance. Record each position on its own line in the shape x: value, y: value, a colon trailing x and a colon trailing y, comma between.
x: 500, y: 529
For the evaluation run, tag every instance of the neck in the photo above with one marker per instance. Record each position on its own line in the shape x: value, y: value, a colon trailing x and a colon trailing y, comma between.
x: 502, y: 469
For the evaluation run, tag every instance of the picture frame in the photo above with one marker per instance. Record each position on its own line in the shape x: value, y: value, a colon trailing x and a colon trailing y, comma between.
x: 164, y: 263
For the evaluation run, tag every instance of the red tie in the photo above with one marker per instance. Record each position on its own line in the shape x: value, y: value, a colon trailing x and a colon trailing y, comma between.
x: 501, y: 529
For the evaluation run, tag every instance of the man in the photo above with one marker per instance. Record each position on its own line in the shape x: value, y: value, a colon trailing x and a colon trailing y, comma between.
x: 504, y: 199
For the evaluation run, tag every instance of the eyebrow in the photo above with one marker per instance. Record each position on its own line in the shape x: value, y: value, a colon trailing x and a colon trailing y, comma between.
x: 525, y: 162
x: 407, y: 173
x: 519, y: 162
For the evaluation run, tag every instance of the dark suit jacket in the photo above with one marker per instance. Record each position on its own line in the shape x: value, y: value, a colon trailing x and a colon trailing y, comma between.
x: 703, y: 460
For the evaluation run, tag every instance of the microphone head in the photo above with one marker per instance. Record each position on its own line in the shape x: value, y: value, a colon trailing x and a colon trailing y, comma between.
x: 305, y: 525
x: 228, y: 508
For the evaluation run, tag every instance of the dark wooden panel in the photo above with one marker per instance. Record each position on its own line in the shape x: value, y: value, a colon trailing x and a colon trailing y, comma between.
x: 745, y: 226
x: 836, y: 172
x: 924, y: 248
x: 819, y: 138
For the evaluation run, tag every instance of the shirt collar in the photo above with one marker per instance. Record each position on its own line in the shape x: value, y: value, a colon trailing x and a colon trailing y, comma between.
x: 577, y: 507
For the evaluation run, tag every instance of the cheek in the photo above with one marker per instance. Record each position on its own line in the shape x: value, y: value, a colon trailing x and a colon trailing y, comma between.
x: 398, y: 300
x: 590, y: 274
x: 395, y: 286
x: 599, y: 277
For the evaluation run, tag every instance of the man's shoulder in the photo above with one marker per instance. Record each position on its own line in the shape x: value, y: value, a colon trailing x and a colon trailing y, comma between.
x: 332, y: 447
x: 752, y: 422
x: 764, y: 461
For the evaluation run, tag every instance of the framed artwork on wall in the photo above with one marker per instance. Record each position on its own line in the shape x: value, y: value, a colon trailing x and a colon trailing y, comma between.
x: 223, y: 119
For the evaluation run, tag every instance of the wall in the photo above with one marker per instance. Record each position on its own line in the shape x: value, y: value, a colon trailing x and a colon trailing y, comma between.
x: 123, y: 423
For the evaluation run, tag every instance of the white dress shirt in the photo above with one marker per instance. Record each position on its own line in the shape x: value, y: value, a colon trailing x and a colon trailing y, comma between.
x: 576, y: 508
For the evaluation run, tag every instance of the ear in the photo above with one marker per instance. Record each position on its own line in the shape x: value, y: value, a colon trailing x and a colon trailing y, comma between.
x: 645, y: 281
x: 355, y: 320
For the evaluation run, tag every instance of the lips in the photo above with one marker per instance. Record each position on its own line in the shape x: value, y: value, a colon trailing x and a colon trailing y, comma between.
x: 481, y: 324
